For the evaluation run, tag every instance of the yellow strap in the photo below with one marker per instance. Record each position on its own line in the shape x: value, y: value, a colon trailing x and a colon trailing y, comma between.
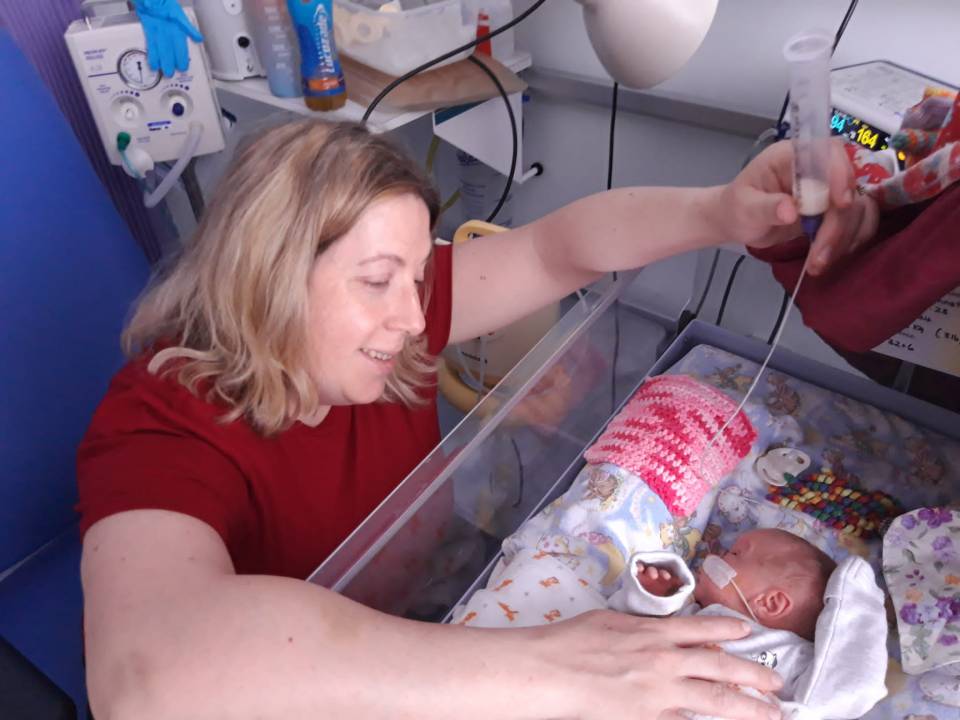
x: 475, y: 228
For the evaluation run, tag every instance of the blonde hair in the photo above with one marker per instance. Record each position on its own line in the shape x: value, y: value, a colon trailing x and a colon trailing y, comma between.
x: 231, y: 312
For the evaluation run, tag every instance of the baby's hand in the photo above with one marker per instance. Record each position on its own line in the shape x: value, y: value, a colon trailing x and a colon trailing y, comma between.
x: 657, y: 581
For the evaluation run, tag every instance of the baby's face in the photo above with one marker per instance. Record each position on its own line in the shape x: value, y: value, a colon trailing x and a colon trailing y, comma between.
x: 759, y: 558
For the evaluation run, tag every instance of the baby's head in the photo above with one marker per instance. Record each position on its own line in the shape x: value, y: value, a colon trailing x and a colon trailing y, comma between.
x: 782, y: 577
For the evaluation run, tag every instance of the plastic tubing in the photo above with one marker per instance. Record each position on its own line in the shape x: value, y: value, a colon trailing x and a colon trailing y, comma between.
x: 186, y: 153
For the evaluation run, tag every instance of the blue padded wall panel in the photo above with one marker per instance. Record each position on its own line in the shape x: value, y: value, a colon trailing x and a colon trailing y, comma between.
x: 41, y: 615
x: 69, y: 272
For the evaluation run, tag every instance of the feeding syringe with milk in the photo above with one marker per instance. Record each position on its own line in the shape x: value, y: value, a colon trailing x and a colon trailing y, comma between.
x: 808, y: 56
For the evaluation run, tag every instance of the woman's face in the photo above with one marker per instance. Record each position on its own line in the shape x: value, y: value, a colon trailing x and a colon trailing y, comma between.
x: 364, y: 300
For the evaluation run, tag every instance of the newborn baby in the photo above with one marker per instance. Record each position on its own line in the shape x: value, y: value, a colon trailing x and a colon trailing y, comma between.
x: 611, y: 541
x: 770, y: 576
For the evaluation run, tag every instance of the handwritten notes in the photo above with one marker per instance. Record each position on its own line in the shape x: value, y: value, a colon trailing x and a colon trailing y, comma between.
x: 933, y: 339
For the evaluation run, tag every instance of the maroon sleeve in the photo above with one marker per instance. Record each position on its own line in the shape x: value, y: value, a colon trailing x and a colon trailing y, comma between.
x: 440, y: 306
x: 872, y: 295
x: 143, y: 451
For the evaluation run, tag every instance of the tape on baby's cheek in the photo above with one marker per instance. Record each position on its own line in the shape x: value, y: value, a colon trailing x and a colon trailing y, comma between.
x: 722, y: 574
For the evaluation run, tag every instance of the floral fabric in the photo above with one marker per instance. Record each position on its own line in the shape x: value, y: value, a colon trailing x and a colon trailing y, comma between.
x: 921, y: 563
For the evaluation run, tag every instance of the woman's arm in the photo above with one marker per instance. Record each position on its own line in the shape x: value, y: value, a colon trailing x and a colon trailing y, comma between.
x: 503, y: 277
x: 172, y: 632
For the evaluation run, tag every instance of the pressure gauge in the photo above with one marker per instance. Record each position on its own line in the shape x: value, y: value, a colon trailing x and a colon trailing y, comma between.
x: 135, y: 71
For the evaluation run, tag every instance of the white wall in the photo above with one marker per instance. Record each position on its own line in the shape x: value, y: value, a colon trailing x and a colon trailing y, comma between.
x: 740, y: 64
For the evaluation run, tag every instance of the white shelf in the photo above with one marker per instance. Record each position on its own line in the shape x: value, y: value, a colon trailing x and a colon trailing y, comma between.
x: 256, y: 89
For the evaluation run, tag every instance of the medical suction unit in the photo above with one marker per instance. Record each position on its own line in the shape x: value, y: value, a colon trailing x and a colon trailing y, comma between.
x: 808, y: 58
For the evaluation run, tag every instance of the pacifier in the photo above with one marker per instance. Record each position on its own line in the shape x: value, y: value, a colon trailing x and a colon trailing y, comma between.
x: 722, y: 574
x: 778, y: 466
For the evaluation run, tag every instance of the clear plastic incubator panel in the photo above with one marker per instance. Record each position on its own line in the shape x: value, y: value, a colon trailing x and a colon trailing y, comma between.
x: 440, y: 531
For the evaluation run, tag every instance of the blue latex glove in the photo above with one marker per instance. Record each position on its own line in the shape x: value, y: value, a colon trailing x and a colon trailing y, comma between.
x: 166, y: 29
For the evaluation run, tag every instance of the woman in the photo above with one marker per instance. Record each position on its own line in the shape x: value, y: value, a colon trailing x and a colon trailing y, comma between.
x: 245, y: 439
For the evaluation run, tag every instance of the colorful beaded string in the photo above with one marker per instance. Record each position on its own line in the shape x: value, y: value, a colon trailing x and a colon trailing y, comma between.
x: 834, y: 502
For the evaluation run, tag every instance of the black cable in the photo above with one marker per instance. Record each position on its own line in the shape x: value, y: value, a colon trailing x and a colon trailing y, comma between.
x: 446, y: 56
x: 843, y: 25
x: 614, y: 107
x: 783, y: 311
x: 706, y: 288
x: 726, y: 292
x: 516, y: 450
x: 781, y: 129
x: 513, y: 129
x: 191, y: 186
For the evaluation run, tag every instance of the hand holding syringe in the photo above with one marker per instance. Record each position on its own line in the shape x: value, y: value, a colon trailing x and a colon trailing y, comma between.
x: 805, y: 186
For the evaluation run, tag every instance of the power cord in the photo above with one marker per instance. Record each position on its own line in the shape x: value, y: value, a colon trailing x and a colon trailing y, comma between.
x: 516, y: 451
x: 783, y: 310
x: 614, y: 107
x: 513, y: 128
x: 709, y: 283
x: 782, y: 128
x: 726, y: 292
x: 446, y: 56
x: 496, y: 81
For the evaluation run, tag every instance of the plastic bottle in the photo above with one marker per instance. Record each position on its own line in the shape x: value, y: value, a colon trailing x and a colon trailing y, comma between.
x: 322, y: 78
x: 494, y: 14
x: 276, y: 43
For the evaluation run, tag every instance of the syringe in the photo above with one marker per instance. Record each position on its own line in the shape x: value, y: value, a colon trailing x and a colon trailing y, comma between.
x: 808, y: 57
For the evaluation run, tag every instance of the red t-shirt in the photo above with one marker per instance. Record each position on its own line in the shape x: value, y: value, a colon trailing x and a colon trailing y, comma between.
x: 281, y: 504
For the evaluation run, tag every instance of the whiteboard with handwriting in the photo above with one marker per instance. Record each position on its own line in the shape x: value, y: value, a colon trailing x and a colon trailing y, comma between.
x: 933, y: 339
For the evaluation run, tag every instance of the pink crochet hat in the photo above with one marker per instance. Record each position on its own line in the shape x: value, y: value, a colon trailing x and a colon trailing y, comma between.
x: 662, y: 434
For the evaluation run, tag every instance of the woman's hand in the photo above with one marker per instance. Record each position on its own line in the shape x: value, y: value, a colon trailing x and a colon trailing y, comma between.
x: 604, y: 664
x: 757, y: 207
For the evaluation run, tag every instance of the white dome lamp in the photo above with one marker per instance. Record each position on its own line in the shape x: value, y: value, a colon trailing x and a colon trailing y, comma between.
x: 641, y: 43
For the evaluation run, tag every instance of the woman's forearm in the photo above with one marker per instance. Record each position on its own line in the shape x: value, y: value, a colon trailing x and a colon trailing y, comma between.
x: 630, y: 227
x: 265, y: 647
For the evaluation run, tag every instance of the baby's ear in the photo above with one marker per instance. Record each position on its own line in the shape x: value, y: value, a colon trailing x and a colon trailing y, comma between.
x: 773, y: 604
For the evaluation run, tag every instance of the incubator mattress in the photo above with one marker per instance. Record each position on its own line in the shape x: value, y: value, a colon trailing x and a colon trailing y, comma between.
x: 877, y: 449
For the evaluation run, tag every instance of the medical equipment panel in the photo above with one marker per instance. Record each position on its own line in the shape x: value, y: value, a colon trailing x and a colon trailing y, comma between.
x: 127, y: 97
x: 870, y: 99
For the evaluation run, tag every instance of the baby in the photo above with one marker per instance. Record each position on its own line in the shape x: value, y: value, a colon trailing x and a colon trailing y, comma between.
x: 613, y: 541
x: 771, y: 576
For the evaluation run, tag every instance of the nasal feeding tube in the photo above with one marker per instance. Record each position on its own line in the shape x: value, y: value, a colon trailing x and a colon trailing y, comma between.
x: 721, y: 575
x: 808, y: 58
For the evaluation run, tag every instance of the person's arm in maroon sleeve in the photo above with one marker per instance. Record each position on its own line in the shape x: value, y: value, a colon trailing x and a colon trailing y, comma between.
x: 911, y: 262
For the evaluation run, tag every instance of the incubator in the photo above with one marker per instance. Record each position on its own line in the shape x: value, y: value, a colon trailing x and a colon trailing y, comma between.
x: 436, y: 539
